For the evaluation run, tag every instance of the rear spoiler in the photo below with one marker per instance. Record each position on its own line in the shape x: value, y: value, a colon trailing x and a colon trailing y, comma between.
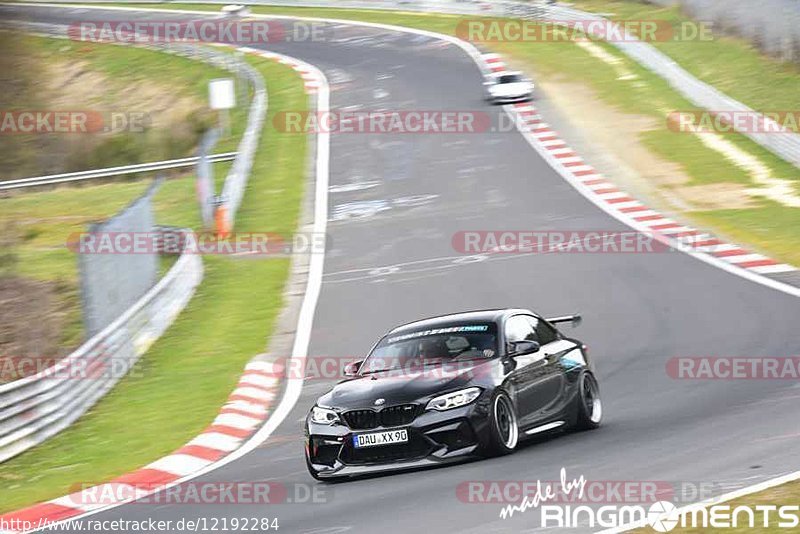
x: 574, y: 319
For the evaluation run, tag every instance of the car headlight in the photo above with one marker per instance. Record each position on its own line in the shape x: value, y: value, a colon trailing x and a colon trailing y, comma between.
x: 455, y: 399
x: 324, y: 416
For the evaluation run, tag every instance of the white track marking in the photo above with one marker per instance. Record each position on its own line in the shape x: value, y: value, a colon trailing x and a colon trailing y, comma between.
x: 627, y: 219
x: 216, y: 440
x: 755, y: 488
x: 256, y: 410
x: 267, y: 367
x: 580, y: 168
x: 258, y: 380
x: 254, y: 393
x: 774, y: 269
x: 742, y: 258
x: 191, y: 467
x: 302, y: 338
x: 236, y: 421
x: 91, y: 498
x: 179, y: 464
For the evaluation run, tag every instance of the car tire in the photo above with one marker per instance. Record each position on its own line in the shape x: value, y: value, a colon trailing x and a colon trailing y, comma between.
x: 589, y: 408
x: 503, y: 425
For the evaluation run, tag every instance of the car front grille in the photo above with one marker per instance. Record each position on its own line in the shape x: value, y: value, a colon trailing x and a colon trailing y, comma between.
x: 361, y: 419
x: 402, y: 414
x: 416, y: 447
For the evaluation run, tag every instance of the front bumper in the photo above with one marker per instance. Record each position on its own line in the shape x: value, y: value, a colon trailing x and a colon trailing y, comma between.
x: 434, y: 438
x: 510, y: 99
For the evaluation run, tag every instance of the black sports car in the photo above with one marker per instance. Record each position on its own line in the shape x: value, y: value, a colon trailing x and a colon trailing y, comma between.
x: 448, y: 387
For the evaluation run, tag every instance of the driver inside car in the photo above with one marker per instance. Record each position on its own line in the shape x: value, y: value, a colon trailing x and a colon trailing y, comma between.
x: 432, y: 349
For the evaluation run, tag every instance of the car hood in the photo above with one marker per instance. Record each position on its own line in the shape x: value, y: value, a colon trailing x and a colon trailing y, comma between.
x: 511, y: 89
x: 401, y: 387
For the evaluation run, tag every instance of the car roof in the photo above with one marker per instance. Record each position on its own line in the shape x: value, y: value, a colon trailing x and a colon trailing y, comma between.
x: 474, y: 316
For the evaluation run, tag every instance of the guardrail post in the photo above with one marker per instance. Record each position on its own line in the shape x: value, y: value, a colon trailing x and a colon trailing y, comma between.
x: 221, y: 217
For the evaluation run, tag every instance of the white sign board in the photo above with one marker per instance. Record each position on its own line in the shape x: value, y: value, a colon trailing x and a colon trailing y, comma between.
x: 221, y: 94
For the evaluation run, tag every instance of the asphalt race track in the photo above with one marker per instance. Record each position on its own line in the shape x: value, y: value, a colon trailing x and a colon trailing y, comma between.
x: 409, y: 195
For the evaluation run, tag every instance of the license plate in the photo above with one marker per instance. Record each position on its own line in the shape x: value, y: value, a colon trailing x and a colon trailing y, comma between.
x: 380, y: 438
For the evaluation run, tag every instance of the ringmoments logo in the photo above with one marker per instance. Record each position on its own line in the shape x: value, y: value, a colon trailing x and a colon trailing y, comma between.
x: 567, y: 504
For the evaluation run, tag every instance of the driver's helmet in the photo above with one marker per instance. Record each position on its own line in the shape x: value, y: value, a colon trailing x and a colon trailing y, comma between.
x: 430, y: 348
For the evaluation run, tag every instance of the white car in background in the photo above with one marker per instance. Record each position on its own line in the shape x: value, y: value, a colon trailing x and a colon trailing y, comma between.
x: 507, y: 87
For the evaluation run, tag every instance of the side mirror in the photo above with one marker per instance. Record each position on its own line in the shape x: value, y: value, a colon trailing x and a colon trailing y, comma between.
x: 519, y: 348
x: 351, y: 369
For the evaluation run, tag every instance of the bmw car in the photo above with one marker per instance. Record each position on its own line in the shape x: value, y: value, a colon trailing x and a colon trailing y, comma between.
x: 448, y: 388
x: 508, y: 87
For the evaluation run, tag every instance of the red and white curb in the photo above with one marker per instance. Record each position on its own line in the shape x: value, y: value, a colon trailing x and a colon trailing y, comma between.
x: 494, y: 62
x: 244, y: 416
x: 311, y: 80
x: 247, y: 408
x: 624, y: 205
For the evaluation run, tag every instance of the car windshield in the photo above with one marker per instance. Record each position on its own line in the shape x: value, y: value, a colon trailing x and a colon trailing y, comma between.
x: 510, y: 78
x: 436, y: 346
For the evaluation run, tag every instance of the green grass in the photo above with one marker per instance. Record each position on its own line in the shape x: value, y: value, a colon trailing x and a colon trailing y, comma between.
x: 185, y: 77
x: 735, y: 66
x: 702, y: 164
x: 133, y: 65
x: 772, y: 226
x: 39, y: 225
x: 41, y: 221
x: 730, y: 64
x: 180, y: 383
x: 164, y: 84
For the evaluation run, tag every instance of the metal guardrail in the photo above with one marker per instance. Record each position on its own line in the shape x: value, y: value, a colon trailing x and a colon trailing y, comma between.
x: 238, y: 175
x: 236, y: 180
x: 786, y: 145
x: 773, y: 26
x: 37, y: 407
x: 475, y: 7
x: 53, y: 179
x: 34, y: 408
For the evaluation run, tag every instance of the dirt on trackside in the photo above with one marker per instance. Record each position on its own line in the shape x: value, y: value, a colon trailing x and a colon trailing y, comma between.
x: 618, y: 136
x: 163, y: 123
